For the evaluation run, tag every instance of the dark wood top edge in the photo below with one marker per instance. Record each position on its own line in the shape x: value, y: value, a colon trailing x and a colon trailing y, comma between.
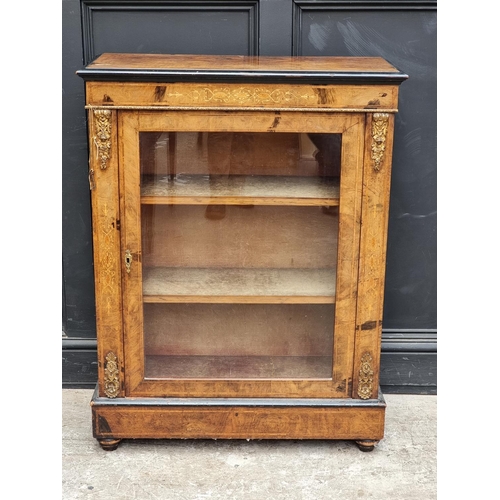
x: 171, y: 68
x: 228, y: 76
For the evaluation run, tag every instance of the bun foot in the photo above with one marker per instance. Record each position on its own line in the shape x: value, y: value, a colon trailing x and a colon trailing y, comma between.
x: 109, y: 444
x: 366, y: 444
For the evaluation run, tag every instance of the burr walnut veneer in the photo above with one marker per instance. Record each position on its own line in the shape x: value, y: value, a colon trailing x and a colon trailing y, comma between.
x: 239, y: 210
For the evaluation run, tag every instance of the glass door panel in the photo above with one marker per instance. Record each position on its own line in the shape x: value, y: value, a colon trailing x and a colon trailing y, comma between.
x: 239, y: 239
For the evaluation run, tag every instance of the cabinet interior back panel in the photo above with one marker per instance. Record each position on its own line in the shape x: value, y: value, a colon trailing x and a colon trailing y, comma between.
x: 239, y: 236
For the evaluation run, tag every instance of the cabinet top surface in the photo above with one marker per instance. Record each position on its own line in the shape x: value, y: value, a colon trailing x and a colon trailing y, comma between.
x: 177, y: 67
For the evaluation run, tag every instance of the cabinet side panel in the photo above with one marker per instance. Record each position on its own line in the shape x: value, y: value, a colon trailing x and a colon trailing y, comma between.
x: 103, y: 179
x: 375, y: 214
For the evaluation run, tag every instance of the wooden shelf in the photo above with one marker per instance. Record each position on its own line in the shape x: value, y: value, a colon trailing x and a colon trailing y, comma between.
x: 240, y: 190
x: 239, y: 286
x: 238, y: 367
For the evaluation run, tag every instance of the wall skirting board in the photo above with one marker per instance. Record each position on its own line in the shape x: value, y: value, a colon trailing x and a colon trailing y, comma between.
x: 408, y: 362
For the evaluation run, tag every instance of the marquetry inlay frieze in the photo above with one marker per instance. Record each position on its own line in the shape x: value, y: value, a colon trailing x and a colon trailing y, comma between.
x: 243, y: 95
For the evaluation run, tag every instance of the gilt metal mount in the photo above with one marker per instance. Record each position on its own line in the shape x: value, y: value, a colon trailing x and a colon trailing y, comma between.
x: 102, y: 138
x: 380, y: 123
x: 111, y: 376
x: 365, y: 384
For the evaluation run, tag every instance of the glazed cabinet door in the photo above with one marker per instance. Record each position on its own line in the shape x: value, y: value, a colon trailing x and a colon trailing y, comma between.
x: 240, y: 248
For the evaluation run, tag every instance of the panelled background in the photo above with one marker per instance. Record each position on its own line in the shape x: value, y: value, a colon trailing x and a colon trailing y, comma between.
x: 402, y: 32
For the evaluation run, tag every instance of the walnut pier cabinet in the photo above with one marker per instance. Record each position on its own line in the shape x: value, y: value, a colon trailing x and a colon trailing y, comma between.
x: 239, y: 209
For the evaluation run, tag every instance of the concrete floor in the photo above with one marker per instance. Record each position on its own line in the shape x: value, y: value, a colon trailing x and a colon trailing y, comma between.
x: 402, y: 466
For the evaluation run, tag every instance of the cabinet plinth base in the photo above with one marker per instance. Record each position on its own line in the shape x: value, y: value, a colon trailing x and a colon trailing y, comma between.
x: 238, y: 418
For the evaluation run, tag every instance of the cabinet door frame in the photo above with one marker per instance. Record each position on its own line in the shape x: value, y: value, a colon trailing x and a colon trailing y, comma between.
x: 352, y: 127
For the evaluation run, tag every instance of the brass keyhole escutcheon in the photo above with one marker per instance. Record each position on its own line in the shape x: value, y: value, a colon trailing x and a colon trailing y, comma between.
x: 128, y: 260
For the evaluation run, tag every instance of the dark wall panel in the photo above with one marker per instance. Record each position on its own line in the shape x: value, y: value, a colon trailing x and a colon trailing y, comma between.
x: 404, y: 33
x: 275, y: 27
x: 78, y: 277
x: 79, y: 368
x: 203, y: 27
